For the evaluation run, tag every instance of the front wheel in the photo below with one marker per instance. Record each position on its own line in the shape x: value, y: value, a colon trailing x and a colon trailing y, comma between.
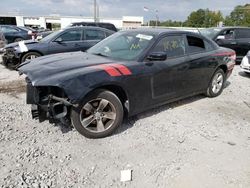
x: 30, y: 56
x: 216, y: 84
x: 98, y: 115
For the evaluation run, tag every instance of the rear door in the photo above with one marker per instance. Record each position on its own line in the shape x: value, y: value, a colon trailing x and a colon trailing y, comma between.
x: 201, y: 63
x: 68, y: 41
x: 243, y: 41
x: 92, y: 37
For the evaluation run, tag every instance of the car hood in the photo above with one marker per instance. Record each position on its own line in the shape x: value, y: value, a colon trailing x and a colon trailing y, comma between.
x: 26, y: 42
x: 53, y: 69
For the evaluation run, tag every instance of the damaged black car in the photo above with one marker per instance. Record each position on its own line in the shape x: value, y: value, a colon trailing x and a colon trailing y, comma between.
x: 123, y: 75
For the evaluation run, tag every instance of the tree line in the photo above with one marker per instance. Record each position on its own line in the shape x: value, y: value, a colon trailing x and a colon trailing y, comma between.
x: 240, y: 16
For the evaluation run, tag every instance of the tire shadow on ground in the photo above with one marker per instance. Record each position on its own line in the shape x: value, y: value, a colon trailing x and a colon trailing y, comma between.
x: 130, y: 122
x: 243, y: 74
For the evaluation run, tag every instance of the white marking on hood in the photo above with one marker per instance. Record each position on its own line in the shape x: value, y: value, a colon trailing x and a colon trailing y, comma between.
x: 22, y: 46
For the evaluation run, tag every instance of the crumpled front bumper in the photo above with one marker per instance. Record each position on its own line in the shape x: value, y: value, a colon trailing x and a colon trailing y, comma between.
x: 9, y: 56
x: 46, y: 107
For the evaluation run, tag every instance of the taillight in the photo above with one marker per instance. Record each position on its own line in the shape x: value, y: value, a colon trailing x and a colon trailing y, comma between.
x: 233, y: 56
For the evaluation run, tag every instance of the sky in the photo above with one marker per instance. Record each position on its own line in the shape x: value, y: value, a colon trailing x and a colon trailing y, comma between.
x: 167, y: 9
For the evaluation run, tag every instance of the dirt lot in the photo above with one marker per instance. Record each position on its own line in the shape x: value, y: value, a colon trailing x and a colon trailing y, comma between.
x: 197, y: 142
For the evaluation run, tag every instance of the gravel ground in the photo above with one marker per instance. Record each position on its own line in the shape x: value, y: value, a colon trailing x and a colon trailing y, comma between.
x: 197, y: 142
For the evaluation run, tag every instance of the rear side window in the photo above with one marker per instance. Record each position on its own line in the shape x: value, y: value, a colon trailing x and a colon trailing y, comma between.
x: 174, y: 46
x: 195, y: 44
x: 209, y: 46
x: 242, y: 33
x: 92, y: 34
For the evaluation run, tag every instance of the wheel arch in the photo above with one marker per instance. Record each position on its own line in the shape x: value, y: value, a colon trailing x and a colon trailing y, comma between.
x: 37, y: 51
x: 223, y: 67
x: 118, y: 90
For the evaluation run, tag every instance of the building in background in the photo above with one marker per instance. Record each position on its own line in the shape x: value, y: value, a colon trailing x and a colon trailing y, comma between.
x: 53, y: 22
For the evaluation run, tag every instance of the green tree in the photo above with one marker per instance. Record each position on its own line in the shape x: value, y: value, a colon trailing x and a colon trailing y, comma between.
x: 170, y: 23
x: 204, y: 18
x: 240, y: 16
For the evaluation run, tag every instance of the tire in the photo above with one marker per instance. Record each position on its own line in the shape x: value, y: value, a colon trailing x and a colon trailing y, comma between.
x: 216, y: 84
x: 18, y: 39
x: 29, y: 56
x: 101, y: 112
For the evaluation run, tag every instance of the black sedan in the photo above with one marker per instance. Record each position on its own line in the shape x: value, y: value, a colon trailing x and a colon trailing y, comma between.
x: 17, y: 33
x: 67, y: 40
x: 127, y: 73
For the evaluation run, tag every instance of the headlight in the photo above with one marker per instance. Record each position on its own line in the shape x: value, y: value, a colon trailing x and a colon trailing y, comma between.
x: 245, y: 61
x: 16, y: 48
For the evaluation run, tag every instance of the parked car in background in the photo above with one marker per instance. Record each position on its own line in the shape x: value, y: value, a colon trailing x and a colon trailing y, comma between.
x: 245, y: 63
x: 95, y: 24
x: 67, y: 40
x: 129, y: 72
x: 43, y: 34
x: 236, y: 38
x: 2, y: 40
x: 17, y: 33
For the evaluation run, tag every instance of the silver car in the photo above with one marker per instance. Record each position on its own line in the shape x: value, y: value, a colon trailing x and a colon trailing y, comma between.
x: 245, y: 63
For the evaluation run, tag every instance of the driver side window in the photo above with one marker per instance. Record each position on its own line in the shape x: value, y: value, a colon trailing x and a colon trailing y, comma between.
x: 73, y: 35
x: 229, y: 34
x: 173, y: 46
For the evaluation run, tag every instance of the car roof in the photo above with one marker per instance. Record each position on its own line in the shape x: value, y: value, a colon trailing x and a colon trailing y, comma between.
x: 87, y: 27
x: 159, y: 31
x: 229, y: 27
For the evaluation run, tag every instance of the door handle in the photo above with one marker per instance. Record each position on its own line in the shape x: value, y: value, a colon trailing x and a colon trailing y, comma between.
x: 233, y: 42
x: 149, y: 63
x: 77, y: 45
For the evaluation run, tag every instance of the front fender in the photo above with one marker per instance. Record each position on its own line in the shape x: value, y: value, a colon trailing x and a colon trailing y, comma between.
x: 77, y: 88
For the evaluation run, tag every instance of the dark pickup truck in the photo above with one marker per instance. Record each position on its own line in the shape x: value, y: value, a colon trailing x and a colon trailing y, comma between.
x: 236, y: 38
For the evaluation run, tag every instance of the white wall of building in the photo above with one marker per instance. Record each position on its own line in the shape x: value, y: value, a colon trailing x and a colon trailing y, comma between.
x: 64, y: 21
x: 19, y: 21
x: 116, y: 22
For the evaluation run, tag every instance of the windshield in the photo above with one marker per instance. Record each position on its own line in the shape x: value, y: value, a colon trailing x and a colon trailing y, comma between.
x: 123, y: 45
x: 50, y: 36
x: 211, y: 32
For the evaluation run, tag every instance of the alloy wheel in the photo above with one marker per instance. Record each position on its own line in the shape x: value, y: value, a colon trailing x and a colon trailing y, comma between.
x: 98, y: 115
x: 31, y: 57
x: 217, y: 83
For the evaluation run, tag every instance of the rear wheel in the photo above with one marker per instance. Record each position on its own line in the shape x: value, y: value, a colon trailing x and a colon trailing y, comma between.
x: 216, y: 84
x: 30, y: 56
x: 98, y: 115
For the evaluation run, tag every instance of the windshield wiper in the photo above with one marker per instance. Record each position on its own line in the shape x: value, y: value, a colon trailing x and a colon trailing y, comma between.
x: 100, y: 54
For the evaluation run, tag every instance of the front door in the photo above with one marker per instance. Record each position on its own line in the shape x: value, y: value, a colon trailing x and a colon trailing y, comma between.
x: 169, y: 77
x: 69, y: 41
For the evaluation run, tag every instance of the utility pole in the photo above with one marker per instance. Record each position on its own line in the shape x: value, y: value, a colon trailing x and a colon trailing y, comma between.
x: 95, y: 16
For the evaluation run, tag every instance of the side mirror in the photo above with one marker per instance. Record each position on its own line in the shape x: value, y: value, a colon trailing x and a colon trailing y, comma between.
x: 157, y: 56
x: 220, y: 37
x: 59, y: 40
